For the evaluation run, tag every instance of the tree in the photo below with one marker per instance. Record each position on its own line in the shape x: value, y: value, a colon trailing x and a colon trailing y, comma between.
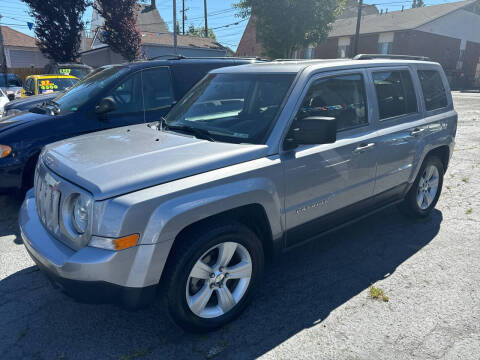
x: 120, y: 29
x: 284, y: 26
x: 200, y: 31
x: 57, y: 26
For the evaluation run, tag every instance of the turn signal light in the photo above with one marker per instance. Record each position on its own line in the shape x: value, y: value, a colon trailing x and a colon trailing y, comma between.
x: 114, y: 243
x: 5, y: 151
x: 125, y: 242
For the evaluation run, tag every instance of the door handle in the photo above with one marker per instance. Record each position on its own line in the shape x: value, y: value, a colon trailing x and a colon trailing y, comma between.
x: 363, y: 147
x: 417, y: 131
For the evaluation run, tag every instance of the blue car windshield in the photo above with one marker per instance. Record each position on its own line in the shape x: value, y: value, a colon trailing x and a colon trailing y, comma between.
x: 88, y: 88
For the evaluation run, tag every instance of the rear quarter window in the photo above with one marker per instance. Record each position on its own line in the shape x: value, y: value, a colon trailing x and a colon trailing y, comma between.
x: 433, y: 89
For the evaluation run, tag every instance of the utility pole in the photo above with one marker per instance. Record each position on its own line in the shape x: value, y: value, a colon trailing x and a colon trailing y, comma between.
x: 3, y: 58
x: 206, y: 22
x: 357, y: 31
x: 183, y: 17
x: 175, y: 27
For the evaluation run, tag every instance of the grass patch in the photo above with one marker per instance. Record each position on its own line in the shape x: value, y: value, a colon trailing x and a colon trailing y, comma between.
x: 465, y: 179
x: 469, y: 211
x: 378, y: 294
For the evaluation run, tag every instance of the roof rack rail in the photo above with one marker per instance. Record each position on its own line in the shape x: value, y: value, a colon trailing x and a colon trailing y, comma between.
x: 177, y: 57
x: 393, y: 57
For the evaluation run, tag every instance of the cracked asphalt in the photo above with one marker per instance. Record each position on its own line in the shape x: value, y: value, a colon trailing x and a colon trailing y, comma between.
x: 315, y: 300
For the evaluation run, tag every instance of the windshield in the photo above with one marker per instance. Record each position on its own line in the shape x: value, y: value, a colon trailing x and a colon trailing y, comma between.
x: 87, y: 88
x: 238, y: 108
x: 12, y: 80
x: 77, y: 72
x: 46, y: 86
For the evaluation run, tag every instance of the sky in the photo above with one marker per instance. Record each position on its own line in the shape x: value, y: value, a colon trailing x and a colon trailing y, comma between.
x: 220, y: 14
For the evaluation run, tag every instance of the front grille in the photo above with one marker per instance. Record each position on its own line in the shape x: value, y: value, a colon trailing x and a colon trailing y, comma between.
x: 47, y: 198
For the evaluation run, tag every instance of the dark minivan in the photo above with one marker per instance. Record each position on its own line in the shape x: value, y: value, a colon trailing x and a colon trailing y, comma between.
x: 117, y: 96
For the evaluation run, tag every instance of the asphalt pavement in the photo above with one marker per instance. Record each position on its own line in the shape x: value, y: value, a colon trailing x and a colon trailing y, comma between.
x: 315, y: 302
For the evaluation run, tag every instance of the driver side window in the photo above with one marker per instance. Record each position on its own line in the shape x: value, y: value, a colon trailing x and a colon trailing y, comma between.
x: 128, y: 95
x: 342, y: 97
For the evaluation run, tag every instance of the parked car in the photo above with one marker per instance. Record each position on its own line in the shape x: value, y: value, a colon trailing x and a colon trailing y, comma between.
x: 253, y: 161
x: 24, y: 104
x: 119, y: 95
x: 76, y: 69
x: 11, y: 85
x: 47, y: 84
x: 3, y: 100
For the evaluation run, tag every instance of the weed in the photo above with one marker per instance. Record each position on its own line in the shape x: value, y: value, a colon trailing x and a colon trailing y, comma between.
x: 469, y: 211
x: 378, y: 294
x: 22, y: 333
x: 465, y: 179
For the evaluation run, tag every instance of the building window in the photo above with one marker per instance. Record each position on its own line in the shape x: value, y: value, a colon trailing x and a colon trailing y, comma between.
x: 343, y: 49
x: 385, y: 43
x: 309, y: 52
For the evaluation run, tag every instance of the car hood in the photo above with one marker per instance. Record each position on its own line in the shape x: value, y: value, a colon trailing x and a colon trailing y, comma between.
x: 118, y: 161
x: 30, y: 101
x: 9, y: 122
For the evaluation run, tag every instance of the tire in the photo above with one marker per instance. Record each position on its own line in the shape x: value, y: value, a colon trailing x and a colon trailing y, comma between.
x: 421, y: 199
x: 225, y: 291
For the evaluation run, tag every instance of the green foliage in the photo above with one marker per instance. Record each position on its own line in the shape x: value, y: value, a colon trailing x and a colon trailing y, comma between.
x: 57, y: 27
x: 120, y: 29
x: 284, y: 26
x: 192, y: 30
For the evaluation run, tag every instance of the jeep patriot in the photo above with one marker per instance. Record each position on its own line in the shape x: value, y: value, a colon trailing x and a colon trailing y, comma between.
x: 252, y: 161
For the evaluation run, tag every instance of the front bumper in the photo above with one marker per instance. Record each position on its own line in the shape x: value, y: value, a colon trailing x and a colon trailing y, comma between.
x: 89, y: 275
x: 11, y: 170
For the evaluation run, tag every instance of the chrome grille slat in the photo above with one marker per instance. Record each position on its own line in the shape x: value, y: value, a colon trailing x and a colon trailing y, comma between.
x: 48, y: 202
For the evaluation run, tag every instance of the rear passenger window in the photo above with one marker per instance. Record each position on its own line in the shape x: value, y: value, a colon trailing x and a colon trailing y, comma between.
x: 395, y: 93
x: 433, y: 89
x: 341, y: 97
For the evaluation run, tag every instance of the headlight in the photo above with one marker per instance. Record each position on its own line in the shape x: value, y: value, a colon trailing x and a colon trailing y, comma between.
x: 80, y: 213
x: 5, y: 150
x: 11, y: 112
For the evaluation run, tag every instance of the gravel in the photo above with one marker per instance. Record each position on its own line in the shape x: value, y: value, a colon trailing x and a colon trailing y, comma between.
x: 315, y: 301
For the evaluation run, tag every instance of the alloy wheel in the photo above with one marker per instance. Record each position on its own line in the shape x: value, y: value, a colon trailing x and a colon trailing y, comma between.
x: 218, y: 280
x: 427, y: 187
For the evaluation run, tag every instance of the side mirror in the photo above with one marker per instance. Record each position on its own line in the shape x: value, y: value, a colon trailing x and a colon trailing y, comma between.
x: 313, y: 130
x: 11, y: 97
x: 105, y: 105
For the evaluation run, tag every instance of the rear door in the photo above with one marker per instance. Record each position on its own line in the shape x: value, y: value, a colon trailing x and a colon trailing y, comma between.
x: 323, y: 182
x: 399, y: 128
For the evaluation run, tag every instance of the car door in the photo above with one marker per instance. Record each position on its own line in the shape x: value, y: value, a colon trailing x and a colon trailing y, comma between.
x: 128, y: 99
x: 399, y: 128
x: 324, y: 183
x: 158, y: 97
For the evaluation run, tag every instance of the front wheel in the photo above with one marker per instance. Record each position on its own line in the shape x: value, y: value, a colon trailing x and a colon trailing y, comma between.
x: 213, y: 277
x: 426, y: 189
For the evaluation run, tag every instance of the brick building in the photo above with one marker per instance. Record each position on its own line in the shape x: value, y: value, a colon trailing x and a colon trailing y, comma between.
x: 447, y: 33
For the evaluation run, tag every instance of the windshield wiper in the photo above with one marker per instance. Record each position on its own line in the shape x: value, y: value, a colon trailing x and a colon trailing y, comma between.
x: 197, y: 132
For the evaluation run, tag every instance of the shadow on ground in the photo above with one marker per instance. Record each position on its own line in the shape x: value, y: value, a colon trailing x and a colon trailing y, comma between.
x: 300, y: 290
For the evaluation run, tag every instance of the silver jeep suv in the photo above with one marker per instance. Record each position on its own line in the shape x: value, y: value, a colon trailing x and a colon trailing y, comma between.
x: 253, y: 161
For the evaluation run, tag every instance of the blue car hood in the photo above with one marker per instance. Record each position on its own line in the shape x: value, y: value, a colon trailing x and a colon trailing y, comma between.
x: 30, y: 101
x: 12, y: 121
x: 118, y: 161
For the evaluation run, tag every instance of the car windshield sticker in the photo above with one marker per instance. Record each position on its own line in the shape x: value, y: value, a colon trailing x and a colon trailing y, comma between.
x: 47, y: 86
x: 65, y: 71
